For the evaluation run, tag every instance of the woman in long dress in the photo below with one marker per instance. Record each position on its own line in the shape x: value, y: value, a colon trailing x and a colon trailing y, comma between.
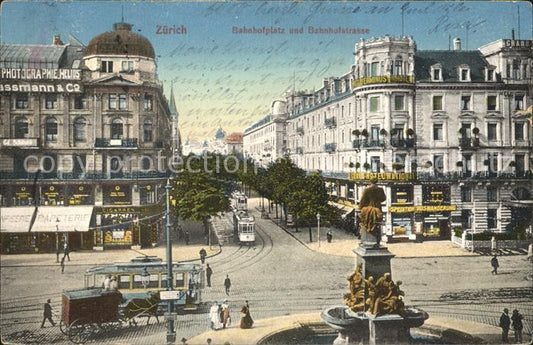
x: 246, y: 319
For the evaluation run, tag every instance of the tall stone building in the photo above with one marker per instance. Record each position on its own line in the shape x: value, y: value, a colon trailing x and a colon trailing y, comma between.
x: 88, y: 128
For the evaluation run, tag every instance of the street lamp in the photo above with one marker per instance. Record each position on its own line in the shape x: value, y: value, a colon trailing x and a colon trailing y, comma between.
x: 318, y: 228
x: 145, y: 277
x: 171, y: 335
x: 57, y: 240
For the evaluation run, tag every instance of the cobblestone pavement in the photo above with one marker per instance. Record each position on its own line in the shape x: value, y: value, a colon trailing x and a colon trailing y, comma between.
x: 279, y: 276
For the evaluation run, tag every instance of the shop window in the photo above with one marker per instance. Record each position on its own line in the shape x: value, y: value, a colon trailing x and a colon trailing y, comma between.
x: 438, y: 131
x: 401, y: 225
x: 148, y: 103
x: 79, y: 129
x: 492, y: 194
x: 51, y: 129
x: 50, y: 101
x: 466, y: 194
x: 107, y: 66
x: 465, y: 102
x: 492, y: 131
x: 437, y: 102
x: 21, y: 101
x: 402, y: 194
x: 519, y: 131
x: 374, y: 104
x: 147, y: 131
x: 436, y: 195
x: 21, y: 128
x: 80, y: 102
x: 117, y: 129
x: 491, y: 102
x: 492, y: 220
x: 398, y: 103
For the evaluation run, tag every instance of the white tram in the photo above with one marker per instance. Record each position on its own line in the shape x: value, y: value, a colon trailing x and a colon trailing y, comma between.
x: 244, y: 227
x: 239, y: 201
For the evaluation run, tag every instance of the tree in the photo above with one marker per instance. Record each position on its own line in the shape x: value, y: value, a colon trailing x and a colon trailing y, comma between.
x: 284, y: 178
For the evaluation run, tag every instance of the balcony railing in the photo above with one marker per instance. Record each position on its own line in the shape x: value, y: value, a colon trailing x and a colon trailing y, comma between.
x: 395, y: 142
x: 330, y: 122
x: 299, y: 150
x: 8, y: 175
x: 468, y: 143
x: 478, y: 175
x: 116, y: 143
x: 330, y: 147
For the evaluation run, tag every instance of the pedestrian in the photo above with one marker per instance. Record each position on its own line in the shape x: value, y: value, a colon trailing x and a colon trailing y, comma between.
x: 66, y: 251
x: 113, y: 285
x: 226, y: 319
x: 329, y: 236
x: 62, y: 264
x: 495, y: 265
x: 47, y: 314
x: 208, y: 274
x: 227, y: 284
x: 180, y: 232
x: 203, y: 254
x: 246, y: 319
x: 107, y: 283
x: 517, y: 325
x: 187, y: 237
x: 505, y: 323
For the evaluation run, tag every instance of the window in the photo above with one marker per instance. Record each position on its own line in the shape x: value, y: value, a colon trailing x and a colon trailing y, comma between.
x: 466, y: 218
x: 464, y: 74
x: 492, y: 220
x: 374, y: 133
x: 397, y: 68
x: 80, y: 102
x: 437, y: 102
x: 398, y: 103
x: 146, y: 164
x: 374, y: 104
x: 79, y: 129
x: 436, y: 76
x: 519, y: 102
x: 438, y: 164
x: 115, y: 164
x: 438, y: 131
x: 147, y: 131
x: 492, y: 193
x: 374, y: 164
x: 112, y: 101
x: 117, y: 101
x: 519, y: 131
x: 466, y: 130
x: 117, y: 129
x: 492, y: 131
x: 21, y: 128
x: 516, y: 69
x: 519, y: 164
x: 492, y: 163
x: 107, y: 66
x: 467, y: 165
x: 122, y: 104
x: 465, y: 102
x: 374, y: 68
x: 51, y: 129
x: 490, y: 75
x: 21, y: 101
x: 466, y: 194
x: 127, y: 66
x: 491, y: 103
x: 148, y: 104
x: 51, y: 101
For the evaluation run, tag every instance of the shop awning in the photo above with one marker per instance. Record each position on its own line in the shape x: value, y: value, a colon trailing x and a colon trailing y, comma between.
x: 345, y: 210
x: 62, y: 219
x: 518, y: 203
x: 15, y: 219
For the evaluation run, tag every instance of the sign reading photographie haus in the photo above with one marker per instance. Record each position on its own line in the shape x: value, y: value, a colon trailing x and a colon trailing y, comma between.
x: 40, y: 80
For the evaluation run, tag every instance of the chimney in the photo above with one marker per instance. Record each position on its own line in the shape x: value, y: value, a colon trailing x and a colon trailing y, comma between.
x: 512, y: 34
x: 456, y: 44
x: 57, y: 41
x: 326, y: 81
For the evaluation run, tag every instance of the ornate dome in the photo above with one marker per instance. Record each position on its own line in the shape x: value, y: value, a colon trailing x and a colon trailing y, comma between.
x: 220, y: 134
x: 120, y: 41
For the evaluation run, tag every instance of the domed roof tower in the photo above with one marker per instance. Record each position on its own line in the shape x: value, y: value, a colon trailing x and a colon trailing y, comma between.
x: 120, y: 41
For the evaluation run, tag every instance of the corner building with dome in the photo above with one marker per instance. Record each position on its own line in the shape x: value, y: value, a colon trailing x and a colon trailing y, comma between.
x: 88, y: 127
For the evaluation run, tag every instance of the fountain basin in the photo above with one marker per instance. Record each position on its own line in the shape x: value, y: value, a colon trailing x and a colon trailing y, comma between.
x: 342, y: 318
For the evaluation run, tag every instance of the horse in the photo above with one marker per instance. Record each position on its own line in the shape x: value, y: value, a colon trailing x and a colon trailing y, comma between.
x: 142, y: 306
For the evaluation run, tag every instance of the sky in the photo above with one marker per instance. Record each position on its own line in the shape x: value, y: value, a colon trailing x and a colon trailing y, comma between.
x: 223, y: 77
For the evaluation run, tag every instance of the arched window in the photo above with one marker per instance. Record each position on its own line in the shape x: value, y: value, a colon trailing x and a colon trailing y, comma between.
x: 21, y: 128
x: 117, y: 129
x: 51, y: 129
x: 79, y: 129
x: 147, y: 131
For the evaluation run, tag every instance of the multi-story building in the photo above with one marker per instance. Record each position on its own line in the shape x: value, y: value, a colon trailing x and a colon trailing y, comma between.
x: 83, y: 127
x: 444, y: 132
x: 266, y: 140
x: 234, y: 144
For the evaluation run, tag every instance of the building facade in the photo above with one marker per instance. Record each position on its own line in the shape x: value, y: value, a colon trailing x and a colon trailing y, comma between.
x: 88, y: 128
x: 444, y: 132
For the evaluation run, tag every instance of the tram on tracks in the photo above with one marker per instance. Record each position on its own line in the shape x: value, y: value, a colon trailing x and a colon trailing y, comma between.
x: 144, y: 276
x: 239, y: 201
x: 244, y: 227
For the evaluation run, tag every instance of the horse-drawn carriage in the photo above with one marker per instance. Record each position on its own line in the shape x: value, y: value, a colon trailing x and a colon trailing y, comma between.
x: 88, y: 312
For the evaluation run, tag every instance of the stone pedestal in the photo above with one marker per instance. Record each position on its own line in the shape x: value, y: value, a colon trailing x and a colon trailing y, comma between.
x: 374, y: 260
x: 387, y: 329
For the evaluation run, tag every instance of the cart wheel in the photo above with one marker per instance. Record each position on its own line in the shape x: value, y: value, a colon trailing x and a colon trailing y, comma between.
x: 63, y: 327
x: 79, y: 331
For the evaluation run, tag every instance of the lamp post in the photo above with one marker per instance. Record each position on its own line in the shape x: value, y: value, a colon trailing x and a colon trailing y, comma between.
x: 171, y: 335
x: 57, y: 240
x: 318, y: 228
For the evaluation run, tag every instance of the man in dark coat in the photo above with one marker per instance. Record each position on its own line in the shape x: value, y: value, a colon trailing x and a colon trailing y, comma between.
x: 495, y: 265
x: 505, y: 323
x: 203, y: 254
x: 47, y: 315
x: 208, y: 274
x: 227, y: 284
x: 517, y: 325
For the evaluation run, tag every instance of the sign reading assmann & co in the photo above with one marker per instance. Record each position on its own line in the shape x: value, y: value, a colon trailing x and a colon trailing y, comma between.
x: 53, y: 80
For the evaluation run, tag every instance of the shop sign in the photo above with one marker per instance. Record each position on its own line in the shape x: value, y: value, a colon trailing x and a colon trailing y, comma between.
x: 81, y: 195
x: 422, y: 208
x: 383, y: 177
x: 40, y: 73
x: 517, y: 43
x: 384, y: 79
x: 40, y: 87
x: 110, y: 210
x: 117, y: 195
x: 22, y: 192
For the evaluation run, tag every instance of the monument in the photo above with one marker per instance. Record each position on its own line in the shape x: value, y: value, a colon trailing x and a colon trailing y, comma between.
x: 374, y: 311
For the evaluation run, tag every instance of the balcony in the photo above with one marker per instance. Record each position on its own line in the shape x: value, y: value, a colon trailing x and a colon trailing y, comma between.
x: 402, y: 143
x: 330, y: 122
x: 330, y: 147
x: 468, y: 143
x: 375, y: 143
x: 300, y: 131
x: 20, y: 142
x: 454, y: 176
x: 299, y: 150
x: 116, y: 143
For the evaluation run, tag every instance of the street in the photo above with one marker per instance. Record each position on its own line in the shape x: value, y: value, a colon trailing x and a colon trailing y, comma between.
x: 280, y: 276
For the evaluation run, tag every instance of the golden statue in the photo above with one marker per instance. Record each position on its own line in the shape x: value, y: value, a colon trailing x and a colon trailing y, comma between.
x: 370, y: 206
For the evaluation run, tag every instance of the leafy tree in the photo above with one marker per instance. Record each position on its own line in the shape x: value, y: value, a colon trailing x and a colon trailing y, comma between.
x: 284, y: 177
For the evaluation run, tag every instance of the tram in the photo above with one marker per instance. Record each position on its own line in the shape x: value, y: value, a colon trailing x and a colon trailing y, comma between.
x: 143, y: 276
x: 239, y: 201
x: 244, y: 227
